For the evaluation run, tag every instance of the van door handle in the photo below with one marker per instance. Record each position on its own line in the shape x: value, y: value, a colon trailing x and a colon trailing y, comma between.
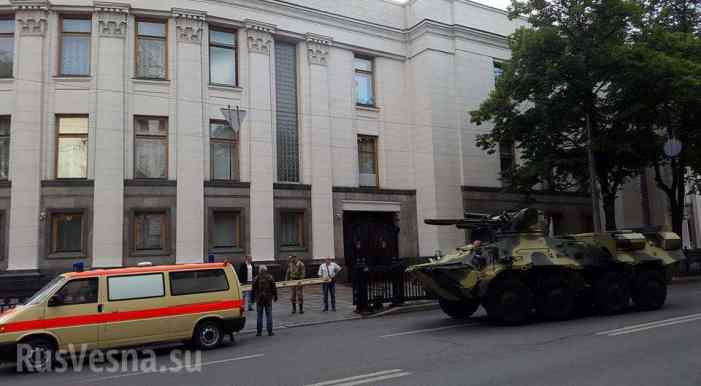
x: 99, y: 308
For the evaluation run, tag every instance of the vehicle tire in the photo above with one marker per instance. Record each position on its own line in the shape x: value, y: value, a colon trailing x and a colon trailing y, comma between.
x: 207, y: 335
x: 555, y: 299
x: 612, y: 294
x: 649, y: 290
x: 509, y: 302
x: 459, y: 309
x: 41, y: 355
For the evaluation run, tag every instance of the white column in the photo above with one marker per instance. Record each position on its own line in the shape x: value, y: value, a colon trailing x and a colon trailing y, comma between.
x: 25, y: 139
x: 322, y: 178
x: 260, y: 44
x: 110, y: 128
x: 190, y: 167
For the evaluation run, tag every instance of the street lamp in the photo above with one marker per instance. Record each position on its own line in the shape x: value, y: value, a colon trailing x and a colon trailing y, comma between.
x: 234, y: 117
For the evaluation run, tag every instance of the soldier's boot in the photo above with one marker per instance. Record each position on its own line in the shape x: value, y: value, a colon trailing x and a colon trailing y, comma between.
x: 294, y: 308
x: 301, y: 308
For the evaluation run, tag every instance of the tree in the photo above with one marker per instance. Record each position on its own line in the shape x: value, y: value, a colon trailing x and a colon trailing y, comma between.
x: 661, y: 87
x: 559, y: 81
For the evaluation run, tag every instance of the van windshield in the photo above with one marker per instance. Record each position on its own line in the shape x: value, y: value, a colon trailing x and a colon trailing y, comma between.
x: 43, y: 293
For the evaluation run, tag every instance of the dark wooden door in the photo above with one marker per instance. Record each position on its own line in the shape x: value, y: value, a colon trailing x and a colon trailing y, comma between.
x: 371, y: 236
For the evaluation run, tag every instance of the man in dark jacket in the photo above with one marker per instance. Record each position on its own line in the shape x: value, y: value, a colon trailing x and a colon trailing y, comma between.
x: 264, y: 292
x: 247, y: 271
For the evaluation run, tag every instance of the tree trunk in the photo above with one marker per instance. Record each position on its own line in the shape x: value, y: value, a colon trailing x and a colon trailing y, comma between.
x: 610, y: 212
x: 677, y: 214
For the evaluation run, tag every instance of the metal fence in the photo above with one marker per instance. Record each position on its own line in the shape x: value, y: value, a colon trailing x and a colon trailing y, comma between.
x: 375, y: 285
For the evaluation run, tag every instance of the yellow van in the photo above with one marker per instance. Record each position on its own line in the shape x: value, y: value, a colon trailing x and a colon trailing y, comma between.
x: 108, y: 308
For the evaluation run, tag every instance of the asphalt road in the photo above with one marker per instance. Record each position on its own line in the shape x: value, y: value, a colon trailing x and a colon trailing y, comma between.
x: 427, y: 348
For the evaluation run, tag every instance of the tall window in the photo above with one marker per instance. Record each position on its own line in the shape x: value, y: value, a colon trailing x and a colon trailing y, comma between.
x: 66, y: 232
x: 150, y: 231
x: 151, y: 49
x: 224, y: 149
x: 7, y: 47
x: 227, y: 229
x: 222, y: 58
x: 75, y: 46
x: 507, y: 160
x: 292, y: 229
x: 498, y: 70
x: 4, y: 147
x: 367, y: 159
x: 150, y: 147
x: 287, y: 135
x: 72, y: 144
x: 364, y: 90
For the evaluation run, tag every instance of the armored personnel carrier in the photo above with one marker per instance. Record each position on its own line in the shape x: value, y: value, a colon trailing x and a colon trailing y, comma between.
x: 518, y: 270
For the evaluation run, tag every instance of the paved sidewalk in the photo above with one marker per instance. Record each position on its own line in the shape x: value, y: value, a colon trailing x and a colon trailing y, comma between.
x: 313, y: 304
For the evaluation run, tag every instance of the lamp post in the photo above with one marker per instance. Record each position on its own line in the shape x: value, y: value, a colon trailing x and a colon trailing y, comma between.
x: 596, y: 210
x: 234, y: 117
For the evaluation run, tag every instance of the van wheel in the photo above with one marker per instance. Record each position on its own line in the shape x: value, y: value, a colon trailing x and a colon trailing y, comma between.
x: 37, y: 354
x: 650, y: 290
x: 208, y: 335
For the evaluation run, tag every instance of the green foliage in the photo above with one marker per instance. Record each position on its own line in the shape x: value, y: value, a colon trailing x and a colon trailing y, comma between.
x: 632, y: 68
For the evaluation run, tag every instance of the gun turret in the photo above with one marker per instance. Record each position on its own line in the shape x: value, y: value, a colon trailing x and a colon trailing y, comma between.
x: 528, y: 220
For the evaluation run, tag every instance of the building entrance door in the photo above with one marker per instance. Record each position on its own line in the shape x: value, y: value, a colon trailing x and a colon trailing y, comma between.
x: 371, y: 236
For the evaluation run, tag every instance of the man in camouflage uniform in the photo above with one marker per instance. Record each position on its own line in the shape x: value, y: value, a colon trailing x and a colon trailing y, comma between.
x: 264, y: 292
x: 296, y: 271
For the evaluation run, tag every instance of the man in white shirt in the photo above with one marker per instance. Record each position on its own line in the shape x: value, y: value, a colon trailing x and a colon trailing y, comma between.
x: 247, y: 272
x: 329, y: 270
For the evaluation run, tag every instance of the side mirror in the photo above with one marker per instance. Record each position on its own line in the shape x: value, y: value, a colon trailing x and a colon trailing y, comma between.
x: 55, y: 301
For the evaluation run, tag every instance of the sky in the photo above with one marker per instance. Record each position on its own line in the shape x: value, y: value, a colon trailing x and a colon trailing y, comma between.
x: 495, y: 3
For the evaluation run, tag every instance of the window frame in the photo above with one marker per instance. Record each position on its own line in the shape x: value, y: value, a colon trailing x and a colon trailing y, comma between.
x: 53, y: 233
x: 152, y: 136
x: 376, y: 161
x: 109, y: 298
x: 372, y: 80
x: 511, y: 156
x: 301, y: 227
x: 497, y: 65
x: 166, y: 38
x: 97, y: 300
x: 14, y: 42
x: 71, y: 135
x: 239, y: 229
x: 165, y: 236
x: 170, y: 280
x: 9, y: 143
x: 235, y: 162
x: 62, y: 33
x: 235, y: 47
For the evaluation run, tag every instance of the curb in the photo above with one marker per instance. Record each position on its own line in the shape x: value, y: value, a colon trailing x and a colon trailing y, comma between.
x: 304, y: 324
x: 404, y: 310
x: 391, y: 311
x: 685, y: 279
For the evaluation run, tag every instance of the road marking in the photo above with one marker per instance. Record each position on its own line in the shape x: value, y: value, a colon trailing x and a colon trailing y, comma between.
x: 203, y: 364
x: 365, y: 378
x: 651, y: 325
x: 427, y: 330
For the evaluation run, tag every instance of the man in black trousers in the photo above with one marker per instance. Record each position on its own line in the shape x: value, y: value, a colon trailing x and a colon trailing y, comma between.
x: 247, y: 272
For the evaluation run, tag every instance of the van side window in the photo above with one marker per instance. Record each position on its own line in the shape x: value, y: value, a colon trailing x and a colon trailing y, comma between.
x: 80, y: 291
x: 196, y: 282
x: 135, y: 287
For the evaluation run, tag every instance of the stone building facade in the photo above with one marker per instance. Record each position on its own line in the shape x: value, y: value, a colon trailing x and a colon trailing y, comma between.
x: 356, y: 128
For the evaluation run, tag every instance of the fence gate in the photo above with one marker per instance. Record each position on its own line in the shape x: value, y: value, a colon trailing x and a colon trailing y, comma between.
x: 375, y: 285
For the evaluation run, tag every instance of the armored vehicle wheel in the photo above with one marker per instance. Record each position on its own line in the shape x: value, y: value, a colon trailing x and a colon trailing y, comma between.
x: 649, y: 290
x: 612, y: 293
x: 459, y: 309
x: 509, y: 302
x: 555, y: 299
